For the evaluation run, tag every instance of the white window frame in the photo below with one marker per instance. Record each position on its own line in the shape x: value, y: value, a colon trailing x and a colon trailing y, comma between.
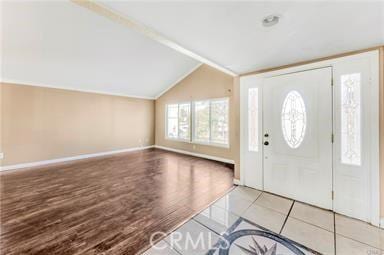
x: 210, y: 143
x: 192, y: 139
x: 166, y: 122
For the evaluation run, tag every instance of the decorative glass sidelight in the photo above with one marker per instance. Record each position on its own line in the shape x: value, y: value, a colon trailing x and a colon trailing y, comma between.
x: 350, y: 119
x: 253, y: 113
x: 293, y: 119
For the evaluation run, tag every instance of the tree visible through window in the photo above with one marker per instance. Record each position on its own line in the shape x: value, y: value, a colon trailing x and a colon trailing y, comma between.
x: 178, y: 121
x: 202, y: 121
x: 172, y: 120
x: 219, y: 121
x: 184, y: 121
x: 210, y: 120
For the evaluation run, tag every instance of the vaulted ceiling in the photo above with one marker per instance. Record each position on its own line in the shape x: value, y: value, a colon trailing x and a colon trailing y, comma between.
x: 61, y: 44
x: 231, y: 34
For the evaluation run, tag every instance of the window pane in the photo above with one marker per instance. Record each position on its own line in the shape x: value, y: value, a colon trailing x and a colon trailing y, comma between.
x: 202, y: 121
x: 219, y: 121
x: 172, y: 122
x: 350, y: 119
x: 184, y: 119
x: 172, y: 128
x: 253, y: 129
x: 172, y: 110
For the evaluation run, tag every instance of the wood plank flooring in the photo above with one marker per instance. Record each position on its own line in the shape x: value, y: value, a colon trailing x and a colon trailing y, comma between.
x: 108, y: 205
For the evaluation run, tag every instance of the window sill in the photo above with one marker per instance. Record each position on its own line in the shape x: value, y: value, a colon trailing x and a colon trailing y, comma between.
x: 225, y: 146
x: 177, y: 140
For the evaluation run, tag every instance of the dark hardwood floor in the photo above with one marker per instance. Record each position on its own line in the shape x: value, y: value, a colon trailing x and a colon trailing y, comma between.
x: 108, y: 205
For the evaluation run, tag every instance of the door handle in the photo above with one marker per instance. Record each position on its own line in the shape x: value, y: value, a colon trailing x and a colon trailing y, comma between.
x: 266, y: 143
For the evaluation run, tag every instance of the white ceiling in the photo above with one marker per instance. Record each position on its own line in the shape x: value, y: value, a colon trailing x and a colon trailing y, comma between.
x: 60, y: 44
x: 231, y: 34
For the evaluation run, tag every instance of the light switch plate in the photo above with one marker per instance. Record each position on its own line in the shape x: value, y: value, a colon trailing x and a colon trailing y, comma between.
x: 1, y: 155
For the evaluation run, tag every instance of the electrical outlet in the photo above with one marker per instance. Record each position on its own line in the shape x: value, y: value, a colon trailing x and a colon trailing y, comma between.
x: 1, y: 155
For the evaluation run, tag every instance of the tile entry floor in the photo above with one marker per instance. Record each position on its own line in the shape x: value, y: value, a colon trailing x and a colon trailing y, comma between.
x: 321, y: 231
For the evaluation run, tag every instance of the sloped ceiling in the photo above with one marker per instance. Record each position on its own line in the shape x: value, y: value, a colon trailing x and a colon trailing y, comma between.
x: 60, y: 44
x: 231, y: 34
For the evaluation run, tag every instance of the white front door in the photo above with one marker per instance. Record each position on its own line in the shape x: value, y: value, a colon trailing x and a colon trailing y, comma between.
x: 297, y: 136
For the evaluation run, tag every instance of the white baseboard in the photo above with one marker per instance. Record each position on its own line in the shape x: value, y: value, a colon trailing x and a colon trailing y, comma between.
x: 236, y: 181
x: 229, y: 161
x: 381, y: 223
x: 84, y: 156
x: 58, y: 160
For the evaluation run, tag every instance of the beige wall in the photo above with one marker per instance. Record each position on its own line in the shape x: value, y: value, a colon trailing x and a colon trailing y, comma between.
x: 204, y: 83
x: 43, y: 123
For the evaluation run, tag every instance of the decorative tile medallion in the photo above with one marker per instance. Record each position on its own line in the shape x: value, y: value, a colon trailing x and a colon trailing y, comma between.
x: 247, y: 238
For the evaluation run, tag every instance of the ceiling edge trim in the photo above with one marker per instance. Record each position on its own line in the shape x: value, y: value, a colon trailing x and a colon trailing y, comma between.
x: 178, y: 80
x: 305, y: 62
x: 18, y: 82
x: 119, y: 18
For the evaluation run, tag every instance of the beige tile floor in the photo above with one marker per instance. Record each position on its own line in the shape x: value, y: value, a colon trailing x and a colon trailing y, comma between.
x: 318, y: 229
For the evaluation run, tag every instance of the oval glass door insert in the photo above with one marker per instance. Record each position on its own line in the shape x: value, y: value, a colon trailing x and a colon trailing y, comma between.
x: 293, y: 119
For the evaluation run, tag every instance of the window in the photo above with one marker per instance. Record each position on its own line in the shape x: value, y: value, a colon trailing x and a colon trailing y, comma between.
x: 219, y: 121
x: 293, y: 119
x: 253, y: 115
x: 211, y: 124
x: 178, y: 121
x: 184, y: 121
x: 172, y: 120
x: 350, y: 119
x: 210, y: 120
x: 202, y: 121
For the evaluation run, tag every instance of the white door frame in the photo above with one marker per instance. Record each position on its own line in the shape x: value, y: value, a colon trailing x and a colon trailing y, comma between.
x: 373, y: 56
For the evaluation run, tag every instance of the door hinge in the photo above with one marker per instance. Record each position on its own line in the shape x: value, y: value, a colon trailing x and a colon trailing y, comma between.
x: 332, y: 81
x: 333, y: 138
x: 333, y: 195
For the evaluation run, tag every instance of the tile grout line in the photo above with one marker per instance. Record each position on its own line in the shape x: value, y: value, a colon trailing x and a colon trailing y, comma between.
x: 312, y: 224
x: 205, y: 226
x: 353, y: 238
x: 242, y: 214
x: 358, y: 241
x: 185, y: 221
x: 334, y: 231
x: 289, y: 212
x: 254, y: 201
x: 200, y: 223
x: 286, y: 218
x: 234, y: 214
